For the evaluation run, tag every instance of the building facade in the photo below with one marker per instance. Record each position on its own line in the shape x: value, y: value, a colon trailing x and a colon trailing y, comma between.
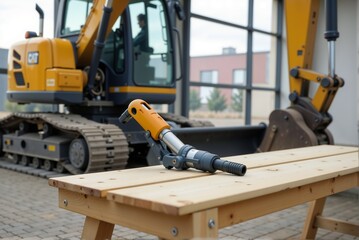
x: 230, y: 68
x: 3, y: 77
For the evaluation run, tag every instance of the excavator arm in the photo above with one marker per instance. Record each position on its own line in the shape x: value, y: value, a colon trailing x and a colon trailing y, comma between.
x: 305, y: 122
x: 301, y: 26
x: 85, y: 42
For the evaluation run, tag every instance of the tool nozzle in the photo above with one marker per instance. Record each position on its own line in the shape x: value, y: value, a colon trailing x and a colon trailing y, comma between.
x: 230, y: 167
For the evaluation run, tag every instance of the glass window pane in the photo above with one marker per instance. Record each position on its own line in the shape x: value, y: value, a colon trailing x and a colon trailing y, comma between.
x: 262, y: 106
x: 221, y: 49
x: 207, y: 77
x: 222, y: 106
x: 265, y: 15
x: 157, y: 28
x: 233, y: 11
x: 152, y: 51
x: 240, y: 77
x: 208, y: 38
x: 223, y: 69
x: 113, y: 51
x: 264, y: 60
x: 75, y: 16
x: 161, y: 108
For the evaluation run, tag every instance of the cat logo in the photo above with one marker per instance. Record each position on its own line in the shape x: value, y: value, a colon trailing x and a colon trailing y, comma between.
x: 33, y: 58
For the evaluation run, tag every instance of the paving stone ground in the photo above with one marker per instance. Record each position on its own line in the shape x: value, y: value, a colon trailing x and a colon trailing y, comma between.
x: 28, y: 210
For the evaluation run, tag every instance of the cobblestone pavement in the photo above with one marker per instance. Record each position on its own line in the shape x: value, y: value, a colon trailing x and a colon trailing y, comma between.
x: 28, y: 210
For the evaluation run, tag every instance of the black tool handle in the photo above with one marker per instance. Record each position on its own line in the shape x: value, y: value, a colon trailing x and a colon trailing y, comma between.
x: 331, y: 31
x: 230, y: 167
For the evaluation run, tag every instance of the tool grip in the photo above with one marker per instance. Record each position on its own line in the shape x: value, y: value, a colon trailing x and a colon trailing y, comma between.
x: 230, y: 167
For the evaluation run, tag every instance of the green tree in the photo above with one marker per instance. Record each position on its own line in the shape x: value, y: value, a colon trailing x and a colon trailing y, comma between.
x: 37, y: 107
x: 237, y: 101
x: 14, y: 107
x: 216, y: 101
x: 33, y: 107
x: 194, y: 100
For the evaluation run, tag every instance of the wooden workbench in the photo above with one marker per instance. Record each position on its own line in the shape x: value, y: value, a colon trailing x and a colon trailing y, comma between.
x: 189, y: 204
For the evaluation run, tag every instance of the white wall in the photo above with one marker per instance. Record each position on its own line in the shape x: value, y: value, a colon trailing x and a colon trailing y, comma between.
x: 344, y: 109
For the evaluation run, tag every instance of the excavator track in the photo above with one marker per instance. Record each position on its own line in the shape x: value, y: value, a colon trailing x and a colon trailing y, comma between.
x: 106, y: 144
x: 185, y: 122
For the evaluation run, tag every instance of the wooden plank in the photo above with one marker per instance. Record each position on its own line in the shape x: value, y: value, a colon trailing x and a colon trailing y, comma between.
x: 256, y: 207
x: 337, y: 225
x: 190, y: 195
x: 143, y: 220
x: 290, y: 155
x: 96, y: 230
x: 315, y: 208
x: 98, y: 184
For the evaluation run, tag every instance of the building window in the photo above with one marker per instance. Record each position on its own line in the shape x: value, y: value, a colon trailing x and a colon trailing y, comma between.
x: 242, y: 40
x: 207, y: 77
x: 239, y: 77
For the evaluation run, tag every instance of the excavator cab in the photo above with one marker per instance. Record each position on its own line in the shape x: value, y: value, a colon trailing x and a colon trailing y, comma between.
x: 71, y: 69
x: 130, y: 70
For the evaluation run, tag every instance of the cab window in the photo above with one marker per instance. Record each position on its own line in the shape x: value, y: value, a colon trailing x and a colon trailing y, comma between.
x: 152, y: 55
x: 75, y: 16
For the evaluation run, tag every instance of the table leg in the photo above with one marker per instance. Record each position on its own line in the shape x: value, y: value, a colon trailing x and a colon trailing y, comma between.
x: 205, y: 224
x: 95, y: 229
x: 315, y: 208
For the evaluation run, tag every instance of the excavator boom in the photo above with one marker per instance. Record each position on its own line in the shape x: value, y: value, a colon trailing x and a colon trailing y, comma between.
x: 301, y: 26
x: 305, y: 122
x: 86, y: 39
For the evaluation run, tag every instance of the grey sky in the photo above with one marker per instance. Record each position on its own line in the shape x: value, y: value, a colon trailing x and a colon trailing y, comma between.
x: 19, y: 16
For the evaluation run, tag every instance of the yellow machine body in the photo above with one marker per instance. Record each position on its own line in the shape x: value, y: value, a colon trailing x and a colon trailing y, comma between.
x: 301, y: 23
x: 55, y: 71
x: 43, y: 70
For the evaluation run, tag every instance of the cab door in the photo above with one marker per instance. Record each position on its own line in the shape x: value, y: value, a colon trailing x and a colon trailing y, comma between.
x: 152, y: 48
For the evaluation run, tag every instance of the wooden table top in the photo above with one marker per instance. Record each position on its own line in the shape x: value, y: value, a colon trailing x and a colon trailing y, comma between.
x: 182, y: 192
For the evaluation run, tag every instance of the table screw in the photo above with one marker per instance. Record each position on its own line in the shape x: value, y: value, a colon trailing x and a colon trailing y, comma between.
x: 174, y: 231
x: 211, y: 223
x: 66, y: 202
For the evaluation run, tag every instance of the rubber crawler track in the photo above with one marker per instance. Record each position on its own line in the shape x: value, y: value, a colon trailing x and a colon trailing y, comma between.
x: 185, y: 122
x: 107, y: 144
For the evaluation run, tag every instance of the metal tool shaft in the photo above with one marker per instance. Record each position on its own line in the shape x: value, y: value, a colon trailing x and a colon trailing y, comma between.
x: 171, y: 141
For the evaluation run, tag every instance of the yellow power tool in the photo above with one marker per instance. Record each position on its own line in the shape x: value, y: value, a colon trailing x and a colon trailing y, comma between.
x: 181, y: 156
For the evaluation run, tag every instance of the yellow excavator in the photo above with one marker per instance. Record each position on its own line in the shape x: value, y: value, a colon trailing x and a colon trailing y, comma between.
x: 94, y: 68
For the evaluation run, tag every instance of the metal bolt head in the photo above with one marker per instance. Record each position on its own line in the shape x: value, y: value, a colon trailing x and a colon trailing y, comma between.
x: 274, y: 128
x: 211, y: 223
x: 174, y: 231
x: 66, y: 202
